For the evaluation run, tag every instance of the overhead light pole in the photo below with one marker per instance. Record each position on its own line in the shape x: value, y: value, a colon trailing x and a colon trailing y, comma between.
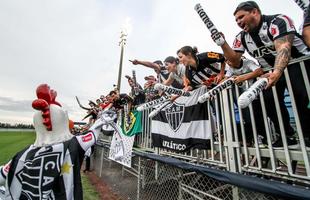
x: 122, y: 44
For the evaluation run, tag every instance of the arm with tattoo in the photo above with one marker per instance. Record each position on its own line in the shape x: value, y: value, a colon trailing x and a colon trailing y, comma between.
x: 283, y: 47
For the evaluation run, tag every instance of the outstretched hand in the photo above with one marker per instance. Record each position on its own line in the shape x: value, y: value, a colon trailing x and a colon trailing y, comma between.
x: 135, y: 61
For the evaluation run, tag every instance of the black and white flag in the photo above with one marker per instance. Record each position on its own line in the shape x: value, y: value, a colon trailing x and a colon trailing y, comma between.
x: 183, y: 124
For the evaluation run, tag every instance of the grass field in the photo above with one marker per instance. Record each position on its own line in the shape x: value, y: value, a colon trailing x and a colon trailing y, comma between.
x: 12, y: 142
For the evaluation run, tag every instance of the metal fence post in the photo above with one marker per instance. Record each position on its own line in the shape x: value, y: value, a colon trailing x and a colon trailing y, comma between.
x: 230, y: 144
x: 101, y: 161
x: 139, y: 176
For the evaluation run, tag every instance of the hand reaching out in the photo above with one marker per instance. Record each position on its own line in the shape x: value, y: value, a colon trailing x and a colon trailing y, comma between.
x: 135, y: 61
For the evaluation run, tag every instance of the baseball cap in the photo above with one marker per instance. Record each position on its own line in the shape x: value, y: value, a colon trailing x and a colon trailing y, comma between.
x: 247, y: 5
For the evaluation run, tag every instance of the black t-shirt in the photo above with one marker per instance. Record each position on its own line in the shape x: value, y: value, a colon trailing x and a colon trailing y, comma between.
x: 138, y: 98
x: 205, y: 68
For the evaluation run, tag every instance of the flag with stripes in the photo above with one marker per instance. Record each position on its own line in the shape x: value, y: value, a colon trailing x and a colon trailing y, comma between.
x: 183, y: 124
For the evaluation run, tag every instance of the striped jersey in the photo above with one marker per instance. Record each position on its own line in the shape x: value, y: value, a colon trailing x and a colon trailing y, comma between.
x: 260, y: 44
x: 206, y: 68
x: 50, y: 172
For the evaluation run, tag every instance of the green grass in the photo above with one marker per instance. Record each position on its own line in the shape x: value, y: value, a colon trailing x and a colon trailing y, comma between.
x: 89, y: 192
x: 13, y: 142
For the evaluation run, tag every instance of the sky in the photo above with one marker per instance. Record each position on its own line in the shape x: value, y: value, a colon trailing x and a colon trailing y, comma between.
x: 73, y: 45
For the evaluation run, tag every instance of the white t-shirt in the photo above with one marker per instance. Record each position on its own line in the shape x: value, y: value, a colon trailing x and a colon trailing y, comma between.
x: 247, y: 67
x: 179, y: 74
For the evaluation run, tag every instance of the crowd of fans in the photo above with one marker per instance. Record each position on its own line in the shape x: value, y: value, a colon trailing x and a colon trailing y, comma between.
x: 271, y: 39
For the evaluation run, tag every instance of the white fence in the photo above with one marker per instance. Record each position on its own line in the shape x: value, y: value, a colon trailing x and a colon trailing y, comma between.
x: 237, y: 147
x: 230, y: 147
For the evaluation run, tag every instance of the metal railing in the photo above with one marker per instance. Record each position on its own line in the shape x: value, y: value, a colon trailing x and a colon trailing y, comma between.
x: 230, y: 149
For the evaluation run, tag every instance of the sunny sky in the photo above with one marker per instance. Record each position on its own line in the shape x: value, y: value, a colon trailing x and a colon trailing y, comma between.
x: 72, y: 45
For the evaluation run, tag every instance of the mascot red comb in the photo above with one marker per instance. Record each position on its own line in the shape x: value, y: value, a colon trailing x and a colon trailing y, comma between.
x: 49, y: 168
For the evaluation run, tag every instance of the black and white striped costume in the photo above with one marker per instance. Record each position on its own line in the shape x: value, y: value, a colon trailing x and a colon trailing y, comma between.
x: 51, y: 172
x: 260, y: 45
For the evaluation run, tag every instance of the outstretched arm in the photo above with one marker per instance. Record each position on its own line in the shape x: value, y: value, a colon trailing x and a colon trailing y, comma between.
x: 77, y: 99
x: 231, y: 55
x: 152, y: 65
x: 256, y: 73
x: 90, y: 138
x: 221, y: 75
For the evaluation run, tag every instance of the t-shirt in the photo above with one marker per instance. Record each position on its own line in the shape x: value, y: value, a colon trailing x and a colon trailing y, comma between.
x: 260, y: 44
x: 163, y: 76
x: 50, y: 172
x: 246, y: 67
x: 179, y: 74
x: 204, y: 69
x: 138, y: 98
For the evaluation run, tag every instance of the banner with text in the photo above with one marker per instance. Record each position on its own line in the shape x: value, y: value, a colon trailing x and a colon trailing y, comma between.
x: 183, y: 124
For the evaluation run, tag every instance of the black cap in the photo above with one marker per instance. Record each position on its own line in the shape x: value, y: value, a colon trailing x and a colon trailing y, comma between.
x: 171, y: 59
x: 247, y: 6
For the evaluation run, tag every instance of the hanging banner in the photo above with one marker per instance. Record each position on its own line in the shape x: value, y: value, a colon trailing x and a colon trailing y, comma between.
x: 183, y: 124
x: 131, y: 124
x: 121, y: 147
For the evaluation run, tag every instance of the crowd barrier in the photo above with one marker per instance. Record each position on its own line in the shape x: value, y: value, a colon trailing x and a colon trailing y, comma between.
x: 230, y: 151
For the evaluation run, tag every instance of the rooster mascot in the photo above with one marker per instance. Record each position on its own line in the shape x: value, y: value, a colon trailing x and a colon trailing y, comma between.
x: 49, y: 168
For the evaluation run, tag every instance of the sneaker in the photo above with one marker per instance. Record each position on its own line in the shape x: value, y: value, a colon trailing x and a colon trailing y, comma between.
x: 291, y: 143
